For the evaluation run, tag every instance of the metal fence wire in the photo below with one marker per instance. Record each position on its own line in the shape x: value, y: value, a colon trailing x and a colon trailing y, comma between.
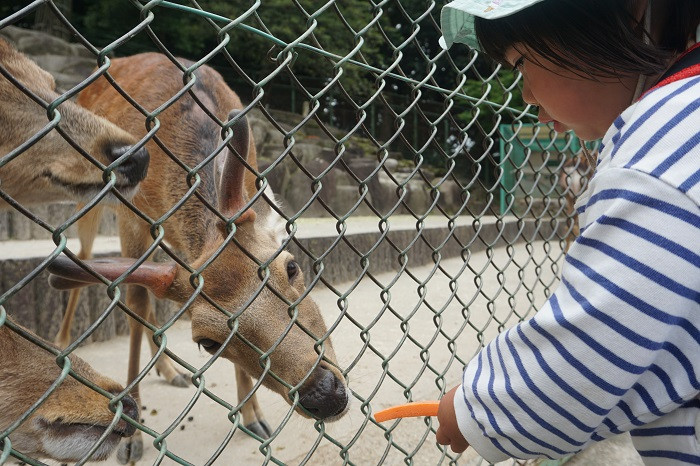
x: 418, y: 194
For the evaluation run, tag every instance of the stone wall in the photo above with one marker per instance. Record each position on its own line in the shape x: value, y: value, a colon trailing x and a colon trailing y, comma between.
x: 358, y: 162
x: 39, y: 307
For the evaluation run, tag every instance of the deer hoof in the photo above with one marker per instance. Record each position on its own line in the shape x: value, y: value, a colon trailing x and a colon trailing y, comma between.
x: 130, y: 450
x: 260, y: 428
x: 180, y: 381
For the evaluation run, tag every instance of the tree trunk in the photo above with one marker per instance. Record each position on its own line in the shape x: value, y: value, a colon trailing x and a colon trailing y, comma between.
x: 46, y: 20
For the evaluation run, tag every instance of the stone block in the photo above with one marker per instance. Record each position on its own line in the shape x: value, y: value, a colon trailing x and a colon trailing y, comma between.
x: 74, y: 65
x: 58, y: 214
x: 35, y: 230
x: 35, y: 43
x: 5, y: 233
x: 20, y: 226
x: 50, y: 304
x: 67, y: 71
x: 165, y: 310
x: 22, y: 304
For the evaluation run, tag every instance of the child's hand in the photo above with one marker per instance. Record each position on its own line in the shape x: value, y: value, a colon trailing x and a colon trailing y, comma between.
x: 448, y: 433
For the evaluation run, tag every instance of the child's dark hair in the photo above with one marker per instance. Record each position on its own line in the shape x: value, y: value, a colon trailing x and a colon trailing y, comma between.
x: 598, y: 38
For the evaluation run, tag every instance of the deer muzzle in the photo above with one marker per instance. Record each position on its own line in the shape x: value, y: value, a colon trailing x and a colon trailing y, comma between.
x: 134, y: 168
x: 324, y: 396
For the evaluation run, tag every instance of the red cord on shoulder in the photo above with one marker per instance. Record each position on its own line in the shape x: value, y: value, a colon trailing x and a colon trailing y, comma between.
x: 689, y: 72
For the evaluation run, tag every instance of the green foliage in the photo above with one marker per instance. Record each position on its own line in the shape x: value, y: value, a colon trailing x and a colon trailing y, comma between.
x: 501, y: 91
x: 9, y: 8
x: 104, y: 21
x: 193, y: 36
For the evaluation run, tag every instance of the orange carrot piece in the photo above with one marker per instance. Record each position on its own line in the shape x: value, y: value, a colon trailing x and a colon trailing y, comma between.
x: 416, y: 409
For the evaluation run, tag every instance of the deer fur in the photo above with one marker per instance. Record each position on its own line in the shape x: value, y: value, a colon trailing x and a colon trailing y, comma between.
x: 573, y: 179
x: 73, y: 417
x: 51, y: 169
x: 66, y: 426
x: 196, y: 233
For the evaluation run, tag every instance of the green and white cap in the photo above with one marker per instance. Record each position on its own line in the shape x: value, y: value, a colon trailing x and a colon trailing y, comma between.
x: 457, y: 18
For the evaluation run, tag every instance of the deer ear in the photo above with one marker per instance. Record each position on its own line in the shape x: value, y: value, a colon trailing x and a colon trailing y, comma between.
x: 156, y: 276
x: 232, y: 195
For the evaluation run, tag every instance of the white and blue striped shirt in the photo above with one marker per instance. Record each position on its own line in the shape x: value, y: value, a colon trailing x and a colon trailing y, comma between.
x: 617, y: 347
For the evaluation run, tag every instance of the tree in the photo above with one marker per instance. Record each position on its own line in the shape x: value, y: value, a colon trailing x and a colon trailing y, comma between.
x: 46, y: 20
x: 192, y: 35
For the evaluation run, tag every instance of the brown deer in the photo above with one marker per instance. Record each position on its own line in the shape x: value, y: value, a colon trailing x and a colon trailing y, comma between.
x: 573, y: 179
x: 68, y: 424
x: 190, y: 134
x: 56, y: 167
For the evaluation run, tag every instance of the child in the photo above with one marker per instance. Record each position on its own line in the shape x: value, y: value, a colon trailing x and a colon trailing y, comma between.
x: 617, y: 347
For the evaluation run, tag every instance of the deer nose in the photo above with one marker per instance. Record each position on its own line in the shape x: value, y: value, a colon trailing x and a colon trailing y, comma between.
x: 324, y: 395
x: 135, y: 167
x: 131, y: 409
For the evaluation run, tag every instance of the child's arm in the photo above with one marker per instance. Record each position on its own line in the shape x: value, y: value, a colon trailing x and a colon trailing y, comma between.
x: 448, y: 433
x: 616, y: 345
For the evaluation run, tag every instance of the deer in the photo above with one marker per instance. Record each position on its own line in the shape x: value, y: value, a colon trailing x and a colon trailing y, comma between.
x: 68, y: 424
x: 269, y: 310
x: 66, y: 163
x: 573, y: 179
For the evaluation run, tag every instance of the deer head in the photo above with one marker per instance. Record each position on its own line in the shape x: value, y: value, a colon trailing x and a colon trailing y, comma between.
x: 72, y: 419
x: 267, y: 309
x: 51, y: 168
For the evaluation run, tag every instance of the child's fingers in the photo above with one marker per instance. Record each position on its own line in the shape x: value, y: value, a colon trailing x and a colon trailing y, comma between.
x: 441, y: 437
x: 457, y: 443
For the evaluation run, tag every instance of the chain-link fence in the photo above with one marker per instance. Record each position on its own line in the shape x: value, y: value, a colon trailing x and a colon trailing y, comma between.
x: 424, y: 204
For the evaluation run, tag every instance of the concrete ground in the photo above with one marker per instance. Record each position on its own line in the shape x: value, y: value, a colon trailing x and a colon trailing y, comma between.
x: 384, y: 358
x: 617, y: 451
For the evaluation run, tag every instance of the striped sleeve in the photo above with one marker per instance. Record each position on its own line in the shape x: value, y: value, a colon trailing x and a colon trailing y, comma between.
x: 617, y: 344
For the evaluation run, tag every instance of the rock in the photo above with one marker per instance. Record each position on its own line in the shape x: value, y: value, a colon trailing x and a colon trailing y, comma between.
x: 418, y: 196
x: 69, y: 63
x: 451, y: 195
x: 38, y: 43
x: 22, y: 304
x: 4, y: 225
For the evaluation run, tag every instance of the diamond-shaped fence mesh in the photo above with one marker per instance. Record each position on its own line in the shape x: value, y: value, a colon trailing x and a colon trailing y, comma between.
x: 424, y: 204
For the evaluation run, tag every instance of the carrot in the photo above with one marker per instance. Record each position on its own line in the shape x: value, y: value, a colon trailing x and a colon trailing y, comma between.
x: 416, y: 409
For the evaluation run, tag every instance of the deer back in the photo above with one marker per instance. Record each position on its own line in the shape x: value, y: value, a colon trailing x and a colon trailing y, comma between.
x: 251, y: 277
x: 186, y: 136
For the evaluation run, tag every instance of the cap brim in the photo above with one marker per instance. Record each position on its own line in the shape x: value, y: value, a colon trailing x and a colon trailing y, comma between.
x: 457, y: 26
x: 457, y: 18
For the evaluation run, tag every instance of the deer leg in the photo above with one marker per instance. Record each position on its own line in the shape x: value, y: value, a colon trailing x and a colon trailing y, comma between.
x: 63, y: 338
x: 87, y: 231
x: 164, y: 365
x: 252, y: 414
x: 135, y: 240
x: 137, y: 299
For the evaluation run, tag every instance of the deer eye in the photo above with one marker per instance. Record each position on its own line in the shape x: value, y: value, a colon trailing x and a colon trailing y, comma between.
x: 292, y: 269
x: 209, y: 345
